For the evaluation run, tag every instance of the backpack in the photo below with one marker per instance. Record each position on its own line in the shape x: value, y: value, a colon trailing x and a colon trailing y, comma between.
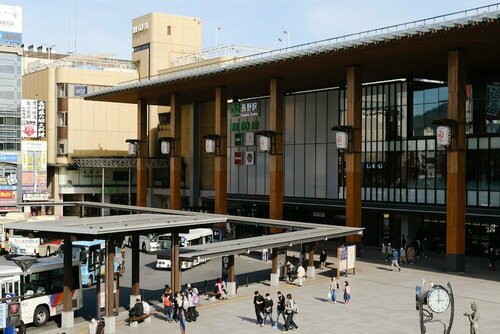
x: 196, y: 299
x: 167, y: 301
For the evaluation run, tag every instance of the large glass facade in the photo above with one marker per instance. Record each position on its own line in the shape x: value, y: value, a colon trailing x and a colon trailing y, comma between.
x: 10, y: 102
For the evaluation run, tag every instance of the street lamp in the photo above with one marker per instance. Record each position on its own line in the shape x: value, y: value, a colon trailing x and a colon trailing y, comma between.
x: 133, y: 147
x: 282, y: 41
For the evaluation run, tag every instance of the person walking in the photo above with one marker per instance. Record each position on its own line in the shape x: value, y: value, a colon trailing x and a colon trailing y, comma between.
x: 268, y: 309
x: 301, y: 274
x: 168, y: 307
x: 332, y: 288
x: 493, y: 258
x: 322, y: 259
x: 179, y: 301
x: 395, y: 259
x: 410, y: 254
x: 347, y: 293
x: 258, y: 302
x: 388, y: 252
x: 290, y: 309
x: 280, y: 308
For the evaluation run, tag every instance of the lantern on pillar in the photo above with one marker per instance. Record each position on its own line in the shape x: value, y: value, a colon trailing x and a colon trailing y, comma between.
x: 212, y: 143
x: 167, y: 146
x: 132, y: 147
x: 266, y: 141
x: 444, y: 131
x: 343, y: 137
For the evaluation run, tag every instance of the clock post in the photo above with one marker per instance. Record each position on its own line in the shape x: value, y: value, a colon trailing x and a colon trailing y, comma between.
x: 434, y: 301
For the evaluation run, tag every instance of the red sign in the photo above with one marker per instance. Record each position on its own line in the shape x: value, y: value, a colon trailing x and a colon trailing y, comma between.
x: 6, y: 194
x: 238, y: 158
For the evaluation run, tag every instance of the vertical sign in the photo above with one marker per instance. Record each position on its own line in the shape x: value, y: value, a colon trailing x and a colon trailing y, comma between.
x: 34, y: 170
x: 33, y: 120
x: 3, y: 315
x: 238, y: 158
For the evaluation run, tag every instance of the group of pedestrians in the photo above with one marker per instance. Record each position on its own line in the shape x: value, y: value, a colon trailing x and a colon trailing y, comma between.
x: 181, y: 305
x: 334, y: 290
x: 285, y: 307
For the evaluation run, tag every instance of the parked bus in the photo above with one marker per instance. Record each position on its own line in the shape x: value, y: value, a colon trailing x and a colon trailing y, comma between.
x: 197, y: 236
x: 10, y: 217
x: 92, y: 257
x: 147, y: 243
x: 40, y: 288
x: 23, y: 243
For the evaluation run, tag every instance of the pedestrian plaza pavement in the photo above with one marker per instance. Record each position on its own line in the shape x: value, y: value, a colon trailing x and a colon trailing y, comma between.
x: 383, y: 301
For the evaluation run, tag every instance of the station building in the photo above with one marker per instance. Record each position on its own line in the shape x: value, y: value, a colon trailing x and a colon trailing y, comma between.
x: 388, y: 88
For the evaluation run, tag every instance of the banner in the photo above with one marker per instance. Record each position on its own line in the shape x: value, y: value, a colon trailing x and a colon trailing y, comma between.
x: 34, y: 170
x: 33, y: 119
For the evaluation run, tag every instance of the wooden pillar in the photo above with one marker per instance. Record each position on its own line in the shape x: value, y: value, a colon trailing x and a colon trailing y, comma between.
x: 221, y: 155
x: 175, y: 262
x: 310, y: 260
x: 136, y: 286
x: 353, y: 157
x: 231, y: 272
x: 110, y: 274
x: 276, y: 159
x: 175, y: 158
x: 142, y: 153
x: 455, y: 180
x: 68, y: 275
x: 274, y: 261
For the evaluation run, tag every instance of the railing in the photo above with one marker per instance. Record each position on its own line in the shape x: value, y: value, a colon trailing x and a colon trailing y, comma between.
x: 379, y: 32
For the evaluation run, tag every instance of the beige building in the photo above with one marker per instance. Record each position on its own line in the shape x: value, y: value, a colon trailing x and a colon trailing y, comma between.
x: 82, y: 129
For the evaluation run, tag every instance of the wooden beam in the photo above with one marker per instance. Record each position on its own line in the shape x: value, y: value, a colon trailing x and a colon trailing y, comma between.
x: 276, y: 185
x: 142, y: 149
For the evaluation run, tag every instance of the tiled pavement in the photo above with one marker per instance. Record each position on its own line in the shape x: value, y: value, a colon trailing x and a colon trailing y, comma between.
x: 383, y: 301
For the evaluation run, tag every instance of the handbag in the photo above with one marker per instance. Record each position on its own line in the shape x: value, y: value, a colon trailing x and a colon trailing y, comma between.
x: 329, y: 295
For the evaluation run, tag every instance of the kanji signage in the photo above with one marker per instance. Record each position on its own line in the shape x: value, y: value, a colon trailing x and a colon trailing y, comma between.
x: 238, y: 158
x: 33, y: 119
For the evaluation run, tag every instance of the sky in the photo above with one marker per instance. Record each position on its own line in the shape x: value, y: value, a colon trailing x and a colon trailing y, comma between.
x: 104, y: 26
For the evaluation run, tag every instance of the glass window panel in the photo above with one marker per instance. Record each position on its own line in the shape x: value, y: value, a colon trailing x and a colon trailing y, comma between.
x: 431, y: 95
x: 495, y: 199
x: 333, y: 114
x: 321, y: 157
x: 310, y: 118
x: 299, y: 118
x: 310, y: 171
x: 289, y: 119
x: 443, y: 93
x: 299, y: 170
x: 418, y: 97
x: 289, y: 170
x: 321, y: 119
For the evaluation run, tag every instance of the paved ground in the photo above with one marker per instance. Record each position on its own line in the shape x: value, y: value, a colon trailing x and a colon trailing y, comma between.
x: 383, y: 301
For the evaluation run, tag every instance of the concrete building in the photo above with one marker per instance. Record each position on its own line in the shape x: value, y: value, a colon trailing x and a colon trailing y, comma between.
x: 82, y: 129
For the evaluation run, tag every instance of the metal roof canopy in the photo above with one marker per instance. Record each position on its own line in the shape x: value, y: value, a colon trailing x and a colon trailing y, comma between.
x: 165, y: 219
x: 120, y: 225
x: 246, y: 245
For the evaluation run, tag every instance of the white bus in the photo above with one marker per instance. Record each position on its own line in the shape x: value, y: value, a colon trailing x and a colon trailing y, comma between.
x: 10, y: 217
x: 41, y: 288
x: 147, y: 243
x: 197, y: 236
x: 23, y: 243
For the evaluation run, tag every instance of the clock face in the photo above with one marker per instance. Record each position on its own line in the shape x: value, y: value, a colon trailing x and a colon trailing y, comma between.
x: 438, y: 300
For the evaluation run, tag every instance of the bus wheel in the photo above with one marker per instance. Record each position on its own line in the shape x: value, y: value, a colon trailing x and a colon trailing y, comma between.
x: 144, y: 247
x: 41, y: 316
x: 47, y: 251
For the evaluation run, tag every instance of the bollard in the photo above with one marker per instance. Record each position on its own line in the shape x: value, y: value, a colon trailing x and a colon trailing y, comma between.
x: 247, y: 281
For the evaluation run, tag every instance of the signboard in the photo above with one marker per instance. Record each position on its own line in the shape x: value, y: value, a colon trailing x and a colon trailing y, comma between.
x: 3, y: 315
x: 245, y: 109
x: 34, y: 169
x: 80, y: 90
x: 342, y: 259
x: 225, y: 268
x: 140, y: 27
x: 238, y: 139
x: 351, y: 257
x: 11, y: 24
x: 238, y: 158
x: 249, y: 139
x: 8, y: 157
x: 33, y: 119
x: 8, y: 189
x: 24, y: 245
x: 250, y: 158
